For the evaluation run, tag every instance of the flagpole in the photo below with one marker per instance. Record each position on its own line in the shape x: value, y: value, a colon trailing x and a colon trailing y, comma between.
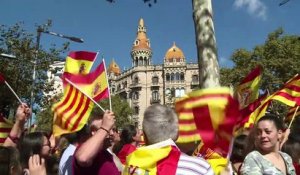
x: 293, y: 117
x: 109, y: 98
x: 84, y: 93
x: 13, y: 91
x: 97, y: 53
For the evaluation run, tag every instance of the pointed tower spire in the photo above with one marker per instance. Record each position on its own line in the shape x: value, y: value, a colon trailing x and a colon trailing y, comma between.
x: 141, y: 52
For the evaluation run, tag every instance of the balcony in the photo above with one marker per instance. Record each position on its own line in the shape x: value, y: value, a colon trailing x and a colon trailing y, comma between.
x: 135, y: 86
x: 154, y: 100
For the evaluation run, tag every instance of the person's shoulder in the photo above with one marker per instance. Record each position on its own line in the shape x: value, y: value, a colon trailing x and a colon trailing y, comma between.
x: 196, y: 164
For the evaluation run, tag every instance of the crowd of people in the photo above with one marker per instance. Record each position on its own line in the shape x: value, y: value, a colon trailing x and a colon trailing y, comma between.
x: 102, y: 149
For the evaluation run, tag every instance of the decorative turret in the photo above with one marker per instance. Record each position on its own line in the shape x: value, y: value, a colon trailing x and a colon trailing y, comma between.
x: 141, y: 52
x: 174, y: 54
x: 113, y: 68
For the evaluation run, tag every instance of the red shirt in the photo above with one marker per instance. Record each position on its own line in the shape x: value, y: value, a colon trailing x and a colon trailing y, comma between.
x: 103, y: 164
x: 125, y: 151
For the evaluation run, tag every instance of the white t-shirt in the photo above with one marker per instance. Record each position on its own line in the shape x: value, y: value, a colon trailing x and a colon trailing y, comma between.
x: 65, y: 163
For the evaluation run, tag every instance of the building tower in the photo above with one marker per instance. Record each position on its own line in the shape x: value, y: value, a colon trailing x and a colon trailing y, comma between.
x: 141, y: 52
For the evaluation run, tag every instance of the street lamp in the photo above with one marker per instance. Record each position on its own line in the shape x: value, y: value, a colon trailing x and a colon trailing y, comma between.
x: 41, y: 30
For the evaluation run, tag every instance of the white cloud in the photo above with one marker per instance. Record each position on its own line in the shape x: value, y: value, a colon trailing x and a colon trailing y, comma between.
x: 254, y: 7
x: 225, y: 62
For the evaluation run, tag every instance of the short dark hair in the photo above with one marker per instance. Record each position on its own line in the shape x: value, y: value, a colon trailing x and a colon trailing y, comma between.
x: 238, y: 149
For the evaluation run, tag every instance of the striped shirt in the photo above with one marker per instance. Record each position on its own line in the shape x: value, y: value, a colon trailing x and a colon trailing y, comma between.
x: 193, y: 166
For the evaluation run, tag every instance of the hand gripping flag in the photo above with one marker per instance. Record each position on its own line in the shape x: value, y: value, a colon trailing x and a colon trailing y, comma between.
x: 80, y: 62
x: 247, y: 90
x: 94, y: 84
x: 215, y: 113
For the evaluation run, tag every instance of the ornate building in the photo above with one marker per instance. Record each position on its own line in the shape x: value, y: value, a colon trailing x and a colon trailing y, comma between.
x: 145, y: 84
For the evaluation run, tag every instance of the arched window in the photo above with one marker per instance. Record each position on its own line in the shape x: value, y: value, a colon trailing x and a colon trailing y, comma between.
x: 140, y: 61
x: 136, y: 80
x: 182, y: 76
x: 136, y: 62
x: 173, y: 92
x: 145, y: 61
x: 136, y: 110
x: 118, y: 87
x: 167, y: 77
x: 177, y: 92
x: 182, y: 92
x: 135, y: 95
x: 177, y: 76
x: 172, y: 76
x: 168, y: 92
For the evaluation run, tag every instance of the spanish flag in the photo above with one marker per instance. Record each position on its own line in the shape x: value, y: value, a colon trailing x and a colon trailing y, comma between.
x: 5, y: 127
x: 71, y: 112
x: 94, y: 84
x: 80, y: 62
x: 247, y: 90
x: 215, y: 113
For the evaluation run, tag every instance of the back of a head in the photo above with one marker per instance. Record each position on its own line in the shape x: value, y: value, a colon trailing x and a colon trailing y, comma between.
x: 9, y: 160
x: 160, y: 123
x: 238, y: 150
x: 30, y: 144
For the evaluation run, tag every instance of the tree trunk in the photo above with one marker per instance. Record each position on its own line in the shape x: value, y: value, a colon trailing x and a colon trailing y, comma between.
x: 206, y: 44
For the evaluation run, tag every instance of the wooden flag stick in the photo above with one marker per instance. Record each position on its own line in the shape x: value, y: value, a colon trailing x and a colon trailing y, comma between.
x: 293, y: 117
x: 13, y: 92
x: 84, y: 94
x: 109, y: 97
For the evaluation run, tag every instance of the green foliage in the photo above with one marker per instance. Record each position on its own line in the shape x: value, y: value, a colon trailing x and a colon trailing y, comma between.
x: 121, y: 109
x: 18, y: 72
x: 279, y: 56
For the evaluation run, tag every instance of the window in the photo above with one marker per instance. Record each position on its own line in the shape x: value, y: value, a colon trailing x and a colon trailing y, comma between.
x: 195, y: 78
x: 136, y: 80
x: 177, y: 76
x: 177, y: 92
x: 155, y: 95
x: 167, y: 77
x: 136, y: 110
x: 182, y: 76
x: 135, y: 95
x: 172, y: 76
x: 155, y: 80
x: 173, y: 92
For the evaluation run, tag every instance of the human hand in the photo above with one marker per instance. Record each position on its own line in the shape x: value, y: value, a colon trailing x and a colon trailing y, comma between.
x: 36, y: 165
x: 23, y: 113
x: 108, y: 120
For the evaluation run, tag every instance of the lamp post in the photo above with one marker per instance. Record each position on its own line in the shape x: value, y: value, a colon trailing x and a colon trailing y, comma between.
x: 40, y: 30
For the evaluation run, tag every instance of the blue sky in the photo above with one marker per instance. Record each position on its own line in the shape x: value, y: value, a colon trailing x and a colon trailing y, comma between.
x: 111, y: 28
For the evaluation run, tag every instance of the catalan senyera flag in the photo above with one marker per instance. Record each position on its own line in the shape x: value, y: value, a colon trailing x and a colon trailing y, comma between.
x: 215, y: 113
x: 71, y: 112
x: 94, y: 84
x: 80, y: 62
x: 290, y: 114
x: 289, y: 94
x: 152, y: 161
x: 5, y: 127
x: 247, y: 90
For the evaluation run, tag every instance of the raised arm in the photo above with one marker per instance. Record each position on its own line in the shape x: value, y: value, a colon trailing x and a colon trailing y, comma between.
x: 22, y: 114
x: 87, y: 152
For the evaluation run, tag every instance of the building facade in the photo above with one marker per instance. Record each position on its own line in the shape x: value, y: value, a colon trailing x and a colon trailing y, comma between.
x: 144, y: 83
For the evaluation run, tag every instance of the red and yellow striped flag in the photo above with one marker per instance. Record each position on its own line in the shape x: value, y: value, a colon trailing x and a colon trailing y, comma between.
x: 94, y: 84
x: 80, y: 62
x: 289, y: 95
x: 5, y: 127
x: 247, y: 90
x: 152, y: 161
x: 215, y: 113
x: 71, y: 112
x: 290, y: 114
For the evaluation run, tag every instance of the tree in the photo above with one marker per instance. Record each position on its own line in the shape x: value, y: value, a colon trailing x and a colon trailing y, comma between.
x: 121, y: 109
x: 18, y: 72
x: 206, y: 44
x: 279, y: 57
